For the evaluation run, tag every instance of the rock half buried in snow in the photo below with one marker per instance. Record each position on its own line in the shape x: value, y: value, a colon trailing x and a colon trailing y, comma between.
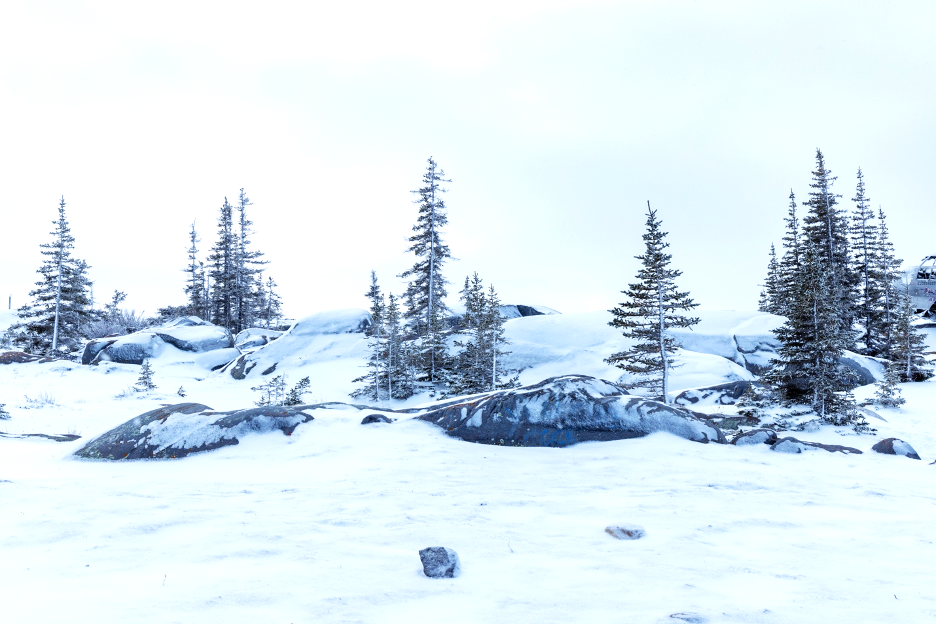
x: 565, y: 410
x: 178, y: 430
x: 721, y: 394
x: 626, y: 531
x: 755, y: 436
x: 792, y: 445
x: 895, y: 446
x: 440, y: 562
x: 375, y: 418
x: 187, y: 333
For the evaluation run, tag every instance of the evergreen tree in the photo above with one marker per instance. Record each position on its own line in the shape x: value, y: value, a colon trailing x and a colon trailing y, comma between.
x: 772, y: 295
x: 376, y: 363
x: 272, y: 392
x: 909, y: 345
x: 888, y: 393
x: 789, y: 262
x: 222, y: 262
x: 865, y: 244
x: 145, y: 381
x: 294, y: 397
x: 400, y: 383
x: 812, y: 343
x: 271, y: 303
x: 247, y: 261
x: 195, y: 282
x: 887, y: 272
x: 649, y: 312
x: 425, y: 292
x: 60, y: 307
x: 4, y: 415
x: 826, y: 227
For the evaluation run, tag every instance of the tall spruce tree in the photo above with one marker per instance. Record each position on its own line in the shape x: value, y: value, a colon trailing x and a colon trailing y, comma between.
x: 61, y: 305
x: 376, y: 361
x: 247, y: 262
x: 864, y: 245
x: 790, y: 260
x: 400, y: 380
x: 826, y: 227
x: 888, y: 272
x: 425, y: 292
x: 195, y: 281
x: 222, y: 262
x: 772, y: 296
x: 649, y: 312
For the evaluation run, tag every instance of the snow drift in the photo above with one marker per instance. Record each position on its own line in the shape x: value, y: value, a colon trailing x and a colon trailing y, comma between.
x: 187, y: 333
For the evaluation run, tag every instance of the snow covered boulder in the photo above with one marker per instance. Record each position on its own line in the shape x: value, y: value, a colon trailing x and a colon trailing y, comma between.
x: 755, y: 436
x: 188, y: 333
x: 792, y: 445
x: 325, y: 336
x: 255, y: 337
x: 178, y: 430
x: 721, y: 394
x: 745, y: 338
x: 375, y: 418
x: 565, y: 410
x: 519, y: 311
x: 440, y: 562
x: 895, y: 446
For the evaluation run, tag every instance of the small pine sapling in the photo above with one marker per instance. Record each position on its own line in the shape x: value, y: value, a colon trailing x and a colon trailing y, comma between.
x: 295, y: 394
x: 145, y: 382
x: 752, y: 402
x: 4, y: 415
x: 181, y: 392
x: 888, y: 393
x: 272, y: 392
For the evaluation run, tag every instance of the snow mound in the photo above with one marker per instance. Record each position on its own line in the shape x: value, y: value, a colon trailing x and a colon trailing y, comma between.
x: 188, y: 333
x: 320, y: 338
x: 178, y: 430
x: 745, y: 338
x: 566, y: 410
x: 254, y: 338
x: 895, y: 446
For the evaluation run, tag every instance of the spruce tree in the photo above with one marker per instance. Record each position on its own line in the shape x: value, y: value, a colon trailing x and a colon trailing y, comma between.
x: 864, y: 245
x: 195, y: 281
x: 61, y: 305
x: 887, y: 273
x: 376, y: 361
x: 826, y: 227
x: 790, y: 260
x: 425, y: 292
x: 145, y: 381
x: 909, y: 345
x: 399, y: 381
x: 888, y: 392
x: 222, y: 262
x: 246, y: 269
x: 4, y: 415
x: 772, y: 295
x: 649, y: 312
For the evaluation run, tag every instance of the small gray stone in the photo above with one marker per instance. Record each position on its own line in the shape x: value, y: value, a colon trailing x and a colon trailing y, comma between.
x: 440, y: 562
x: 375, y: 418
x: 626, y: 531
x: 755, y: 436
x: 895, y: 446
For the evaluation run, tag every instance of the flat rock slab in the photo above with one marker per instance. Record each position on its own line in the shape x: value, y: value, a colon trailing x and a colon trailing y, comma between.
x: 626, y: 531
x: 566, y: 410
x: 18, y: 357
x: 895, y: 446
x: 792, y: 445
x: 175, y: 431
x: 55, y: 437
x: 440, y: 562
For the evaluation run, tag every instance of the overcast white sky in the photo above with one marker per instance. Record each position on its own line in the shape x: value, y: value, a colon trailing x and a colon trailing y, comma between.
x: 556, y: 122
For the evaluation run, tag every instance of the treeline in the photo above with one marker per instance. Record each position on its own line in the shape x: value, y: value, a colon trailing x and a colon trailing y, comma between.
x: 227, y: 289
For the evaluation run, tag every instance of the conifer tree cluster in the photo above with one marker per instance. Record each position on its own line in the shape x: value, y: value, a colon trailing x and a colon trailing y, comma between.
x: 229, y: 290
x: 837, y: 284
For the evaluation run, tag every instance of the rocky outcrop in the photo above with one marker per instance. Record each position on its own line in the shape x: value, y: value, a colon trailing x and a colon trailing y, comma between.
x: 721, y: 394
x: 792, y: 445
x: 566, y: 410
x: 188, y: 333
x: 178, y: 430
x: 255, y: 338
x: 743, y: 337
x: 18, y: 357
x: 895, y: 446
x: 376, y: 418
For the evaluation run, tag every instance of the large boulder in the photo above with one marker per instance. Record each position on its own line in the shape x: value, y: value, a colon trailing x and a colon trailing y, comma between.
x: 895, y: 446
x: 746, y: 338
x: 254, y: 338
x: 178, y: 430
x: 721, y: 394
x: 188, y: 333
x: 755, y: 436
x: 565, y: 410
x: 319, y: 337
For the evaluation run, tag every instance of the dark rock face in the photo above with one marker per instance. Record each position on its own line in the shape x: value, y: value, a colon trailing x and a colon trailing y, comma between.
x: 178, y: 430
x: 565, y: 410
x: 792, y: 445
x: 440, y: 562
x: 188, y: 333
x: 724, y: 394
x: 375, y: 418
x: 18, y: 357
x: 895, y: 446
x: 755, y: 436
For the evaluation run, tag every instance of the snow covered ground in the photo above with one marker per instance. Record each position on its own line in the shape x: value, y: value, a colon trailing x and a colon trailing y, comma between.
x: 326, y: 525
